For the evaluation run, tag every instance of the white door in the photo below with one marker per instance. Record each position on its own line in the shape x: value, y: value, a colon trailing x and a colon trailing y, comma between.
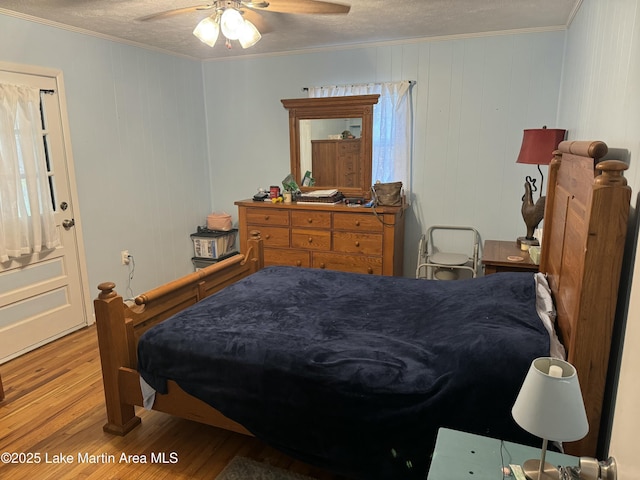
x: 44, y: 296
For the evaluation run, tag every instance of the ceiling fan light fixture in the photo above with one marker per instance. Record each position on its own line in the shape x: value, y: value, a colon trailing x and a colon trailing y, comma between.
x: 207, y: 31
x: 231, y: 23
x: 256, y: 4
x: 249, y: 35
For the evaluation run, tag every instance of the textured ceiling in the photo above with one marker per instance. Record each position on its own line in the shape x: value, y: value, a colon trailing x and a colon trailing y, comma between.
x: 369, y: 21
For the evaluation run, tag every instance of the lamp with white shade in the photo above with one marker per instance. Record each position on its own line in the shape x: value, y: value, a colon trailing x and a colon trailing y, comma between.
x: 550, y: 406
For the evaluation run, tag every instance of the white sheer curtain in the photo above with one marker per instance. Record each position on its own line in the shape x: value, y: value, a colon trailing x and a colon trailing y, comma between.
x: 391, y: 127
x: 27, y: 224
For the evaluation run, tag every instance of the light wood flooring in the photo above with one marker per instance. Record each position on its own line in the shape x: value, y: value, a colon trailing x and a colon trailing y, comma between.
x: 54, y: 411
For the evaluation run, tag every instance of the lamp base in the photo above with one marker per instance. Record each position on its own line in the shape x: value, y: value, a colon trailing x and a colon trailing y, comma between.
x: 529, y: 242
x: 609, y: 469
x: 532, y: 468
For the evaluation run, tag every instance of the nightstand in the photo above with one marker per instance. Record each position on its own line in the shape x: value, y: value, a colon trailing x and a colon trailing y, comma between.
x: 505, y: 256
x: 460, y: 456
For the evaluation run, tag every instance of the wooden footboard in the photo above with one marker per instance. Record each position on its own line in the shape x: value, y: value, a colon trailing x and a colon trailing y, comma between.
x: 119, y: 327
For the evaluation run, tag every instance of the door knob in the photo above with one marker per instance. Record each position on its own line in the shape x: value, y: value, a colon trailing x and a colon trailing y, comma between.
x: 67, y: 224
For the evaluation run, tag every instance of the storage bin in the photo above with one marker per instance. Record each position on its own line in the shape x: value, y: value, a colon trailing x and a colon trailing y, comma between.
x: 200, y: 263
x: 213, y: 244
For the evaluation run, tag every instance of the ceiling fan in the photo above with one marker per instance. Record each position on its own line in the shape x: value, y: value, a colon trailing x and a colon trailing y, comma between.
x: 240, y: 20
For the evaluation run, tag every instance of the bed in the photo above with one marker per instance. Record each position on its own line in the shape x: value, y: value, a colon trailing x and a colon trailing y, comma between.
x: 372, y: 380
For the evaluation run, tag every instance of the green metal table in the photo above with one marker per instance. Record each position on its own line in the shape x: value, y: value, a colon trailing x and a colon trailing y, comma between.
x: 465, y: 456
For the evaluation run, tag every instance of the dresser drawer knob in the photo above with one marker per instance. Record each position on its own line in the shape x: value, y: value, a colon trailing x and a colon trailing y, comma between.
x: 310, y: 240
x: 357, y: 223
x: 298, y: 263
x: 369, y: 270
x: 322, y: 265
x: 310, y: 220
x: 267, y: 236
x: 357, y: 244
x: 266, y: 217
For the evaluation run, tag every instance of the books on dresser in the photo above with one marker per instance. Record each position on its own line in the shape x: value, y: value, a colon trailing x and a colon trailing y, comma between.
x: 322, y: 197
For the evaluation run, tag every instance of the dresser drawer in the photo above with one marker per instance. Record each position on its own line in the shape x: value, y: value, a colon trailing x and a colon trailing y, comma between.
x: 288, y: 256
x: 353, y: 242
x: 264, y: 216
x: 348, y: 147
x: 273, y: 236
x: 311, y: 239
x: 311, y: 219
x: 356, y: 222
x: 347, y: 263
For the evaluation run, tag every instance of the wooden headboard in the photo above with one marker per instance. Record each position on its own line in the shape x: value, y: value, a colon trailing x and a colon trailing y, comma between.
x: 585, y: 225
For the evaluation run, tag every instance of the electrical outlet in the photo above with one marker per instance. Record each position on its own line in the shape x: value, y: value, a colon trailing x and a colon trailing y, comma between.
x: 124, y: 257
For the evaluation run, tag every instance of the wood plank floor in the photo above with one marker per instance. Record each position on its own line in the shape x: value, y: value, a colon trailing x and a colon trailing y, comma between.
x: 53, y: 411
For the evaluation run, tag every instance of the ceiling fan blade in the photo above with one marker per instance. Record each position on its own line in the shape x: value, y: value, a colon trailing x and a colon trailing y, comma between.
x: 255, y: 18
x: 301, y: 6
x: 171, y: 13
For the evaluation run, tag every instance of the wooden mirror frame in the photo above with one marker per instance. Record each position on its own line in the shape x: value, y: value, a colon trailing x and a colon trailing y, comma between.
x: 352, y: 106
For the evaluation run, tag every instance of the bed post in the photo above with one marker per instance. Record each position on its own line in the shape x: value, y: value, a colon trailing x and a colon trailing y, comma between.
x: 255, y: 251
x: 114, y: 353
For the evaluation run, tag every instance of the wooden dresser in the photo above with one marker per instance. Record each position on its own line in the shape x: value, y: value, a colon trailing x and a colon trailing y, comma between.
x: 336, y: 237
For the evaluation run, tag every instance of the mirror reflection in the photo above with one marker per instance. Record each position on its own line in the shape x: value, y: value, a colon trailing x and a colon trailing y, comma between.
x: 331, y: 150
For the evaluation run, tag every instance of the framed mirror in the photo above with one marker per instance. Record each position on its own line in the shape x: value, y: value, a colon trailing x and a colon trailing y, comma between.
x: 331, y: 138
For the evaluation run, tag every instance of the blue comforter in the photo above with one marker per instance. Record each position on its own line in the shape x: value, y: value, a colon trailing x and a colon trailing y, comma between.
x: 355, y: 373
